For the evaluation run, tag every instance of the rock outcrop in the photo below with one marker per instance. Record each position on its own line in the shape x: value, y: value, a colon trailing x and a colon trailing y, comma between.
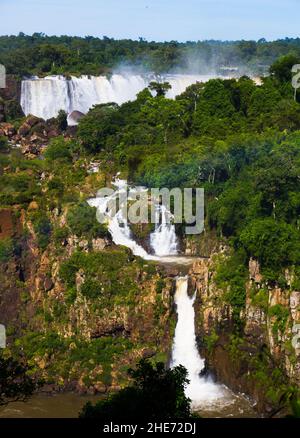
x: 87, y: 342
x: 261, y: 353
x: 10, y: 99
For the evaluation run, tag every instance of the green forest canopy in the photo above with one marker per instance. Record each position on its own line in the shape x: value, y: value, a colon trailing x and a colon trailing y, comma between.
x: 41, y: 54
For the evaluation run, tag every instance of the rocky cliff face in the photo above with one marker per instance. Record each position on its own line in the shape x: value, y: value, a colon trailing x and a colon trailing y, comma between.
x: 257, y: 356
x: 83, y: 311
x: 10, y: 99
x: 33, y: 135
x: 12, y: 90
x: 76, y: 339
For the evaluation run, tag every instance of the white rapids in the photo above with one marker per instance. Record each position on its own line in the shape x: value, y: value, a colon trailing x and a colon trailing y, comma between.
x: 117, y: 224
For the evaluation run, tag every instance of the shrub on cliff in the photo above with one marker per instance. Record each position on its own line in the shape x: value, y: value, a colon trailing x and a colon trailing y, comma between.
x: 15, y: 383
x: 101, y: 121
x: 275, y: 244
x: 83, y: 222
x: 156, y: 392
x: 42, y: 227
x: 6, y: 250
x: 58, y: 149
x: 3, y: 144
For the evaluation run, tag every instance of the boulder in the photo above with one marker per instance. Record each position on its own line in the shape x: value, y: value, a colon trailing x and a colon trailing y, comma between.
x: 48, y: 284
x: 30, y: 149
x: 24, y: 129
x: 52, y: 133
x: 99, y: 244
x: 33, y: 120
x: 74, y: 118
x: 29, y: 123
x: 7, y: 129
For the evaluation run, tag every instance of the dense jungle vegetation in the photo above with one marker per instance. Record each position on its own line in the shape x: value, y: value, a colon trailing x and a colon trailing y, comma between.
x: 41, y: 54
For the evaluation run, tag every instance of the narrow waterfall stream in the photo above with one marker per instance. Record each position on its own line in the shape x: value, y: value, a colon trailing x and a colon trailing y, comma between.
x: 207, y: 397
x: 164, y: 241
x: 185, y: 352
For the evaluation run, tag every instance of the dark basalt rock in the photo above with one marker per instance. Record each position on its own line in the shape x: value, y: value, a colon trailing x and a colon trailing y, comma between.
x: 48, y: 284
x: 114, y: 330
x: 74, y: 117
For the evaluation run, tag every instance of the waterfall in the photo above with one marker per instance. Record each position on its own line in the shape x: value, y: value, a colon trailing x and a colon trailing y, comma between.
x: 117, y: 223
x: 163, y: 240
x: 44, y: 97
x: 201, y: 390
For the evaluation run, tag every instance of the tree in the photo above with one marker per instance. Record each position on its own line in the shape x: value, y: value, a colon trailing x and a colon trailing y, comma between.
x: 166, y: 115
x: 282, y: 68
x: 192, y: 95
x: 62, y: 122
x: 58, y: 149
x: 96, y: 126
x: 161, y: 88
x: 82, y: 221
x: 247, y: 49
x: 156, y: 392
x: 15, y: 383
x: 3, y: 144
x: 274, y: 244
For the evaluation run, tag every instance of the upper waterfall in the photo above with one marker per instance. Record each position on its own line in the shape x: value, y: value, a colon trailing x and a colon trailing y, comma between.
x: 45, y: 97
x: 163, y: 240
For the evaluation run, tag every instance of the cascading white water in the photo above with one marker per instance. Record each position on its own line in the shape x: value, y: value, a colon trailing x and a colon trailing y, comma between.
x: 45, y: 97
x: 163, y: 240
x: 201, y: 390
x: 117, y: 224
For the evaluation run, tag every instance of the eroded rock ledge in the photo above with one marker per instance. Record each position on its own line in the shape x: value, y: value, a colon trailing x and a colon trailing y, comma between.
x: 256, y: 356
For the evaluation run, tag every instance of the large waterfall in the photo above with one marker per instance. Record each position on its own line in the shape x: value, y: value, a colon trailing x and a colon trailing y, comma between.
x: 201, y: 390
x: 45, y: 97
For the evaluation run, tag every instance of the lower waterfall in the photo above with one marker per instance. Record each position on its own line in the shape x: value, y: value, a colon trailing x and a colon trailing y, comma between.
x: 201, y: 390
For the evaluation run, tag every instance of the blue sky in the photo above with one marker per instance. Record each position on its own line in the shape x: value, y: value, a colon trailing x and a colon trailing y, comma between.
x: 154, y: 19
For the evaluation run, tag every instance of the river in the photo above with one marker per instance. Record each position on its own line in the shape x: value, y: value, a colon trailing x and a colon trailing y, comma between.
x: 68, y: 405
